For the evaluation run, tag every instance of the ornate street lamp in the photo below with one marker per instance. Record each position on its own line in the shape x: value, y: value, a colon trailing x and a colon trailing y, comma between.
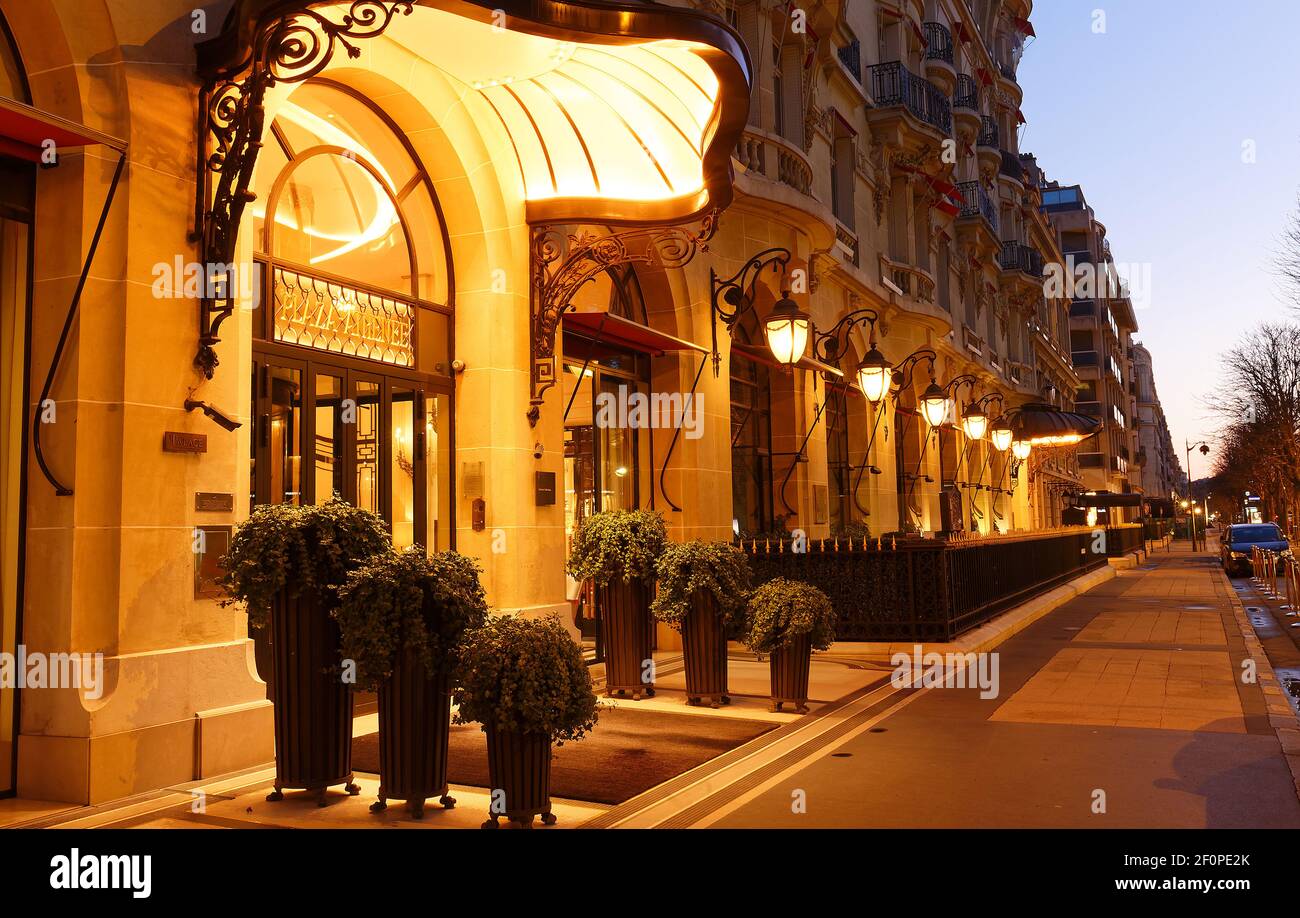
x: 787, y: 328
x: 1001, y: 434
x: 1021, y: 449
x: 873, y: 372
x: 874, y: 376
x: 935, y: 404
x: 974, y: 422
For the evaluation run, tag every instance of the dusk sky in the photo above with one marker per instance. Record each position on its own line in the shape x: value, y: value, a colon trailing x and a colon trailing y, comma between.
x: 1152, y: 116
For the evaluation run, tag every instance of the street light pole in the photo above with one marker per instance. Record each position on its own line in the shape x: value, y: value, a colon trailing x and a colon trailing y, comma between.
x: 1191, y: 517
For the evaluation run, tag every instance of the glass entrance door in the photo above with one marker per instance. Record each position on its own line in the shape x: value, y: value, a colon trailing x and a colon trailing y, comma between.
x: 378, y: 441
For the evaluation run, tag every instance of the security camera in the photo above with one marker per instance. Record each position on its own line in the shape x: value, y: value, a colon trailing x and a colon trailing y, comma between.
x: 537, y: 450
x: 216, y: 414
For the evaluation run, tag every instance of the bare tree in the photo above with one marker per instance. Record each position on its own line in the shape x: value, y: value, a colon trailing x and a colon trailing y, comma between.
x: 1288, y: 259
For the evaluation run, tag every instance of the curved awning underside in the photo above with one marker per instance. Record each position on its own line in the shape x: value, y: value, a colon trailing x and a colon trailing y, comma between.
x: 616, y: 112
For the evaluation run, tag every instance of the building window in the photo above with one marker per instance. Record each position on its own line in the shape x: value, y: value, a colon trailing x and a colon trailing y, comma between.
x: 843, y: 147
x: 838, y: 465
x: 751, y: 438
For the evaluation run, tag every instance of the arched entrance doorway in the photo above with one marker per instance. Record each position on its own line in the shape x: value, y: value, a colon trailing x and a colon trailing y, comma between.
x: 352, y: 393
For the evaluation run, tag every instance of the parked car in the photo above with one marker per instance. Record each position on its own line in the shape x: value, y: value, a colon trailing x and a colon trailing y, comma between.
x: 1237, y: 541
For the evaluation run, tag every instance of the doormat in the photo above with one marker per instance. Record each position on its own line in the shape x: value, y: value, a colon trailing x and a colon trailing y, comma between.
x: 628, y: 753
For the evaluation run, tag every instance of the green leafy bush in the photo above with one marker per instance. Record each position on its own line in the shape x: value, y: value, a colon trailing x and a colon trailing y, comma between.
x: 716, y: 568
x: 527, y: 676
x: 781, y: 609
x: 408, y: 600
x: 318, y: 545
x: 617, y: 545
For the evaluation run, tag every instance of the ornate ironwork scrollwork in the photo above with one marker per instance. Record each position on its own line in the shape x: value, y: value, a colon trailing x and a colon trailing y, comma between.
x: 293, y: 46
x: 563, y: 263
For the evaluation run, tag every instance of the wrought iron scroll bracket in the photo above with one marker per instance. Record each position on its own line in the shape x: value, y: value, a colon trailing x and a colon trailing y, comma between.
x: 731, y: 297
x: 294, y: 44
x: 563, y: 263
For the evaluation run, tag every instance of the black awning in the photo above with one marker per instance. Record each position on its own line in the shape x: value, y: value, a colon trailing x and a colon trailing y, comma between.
x: 1047, y: 425
x: 1108, y: 499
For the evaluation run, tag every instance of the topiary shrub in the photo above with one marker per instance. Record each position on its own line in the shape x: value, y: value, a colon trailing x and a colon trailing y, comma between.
x: 617, y: 545
x: 781, y: 609
x: 525, y: 676
x: 319, y: 544
x: 404, y: 600
x: 716, y: 568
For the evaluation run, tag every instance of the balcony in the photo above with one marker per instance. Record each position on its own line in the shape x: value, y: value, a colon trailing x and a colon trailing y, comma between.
x: 1010, y: 166
x: 893, y: 85
x: 938, y: 43
x: 939, y: 67
x: 989, y: 135
x: 1083, y: 309
x: 1016, y: 256
x: 976, y: 203
x: 759, y: 150
x: 967, y: 95
x: 913, y: 282
x: 851, y: 57
x: 1085, y: 358
x: 1090, y: 408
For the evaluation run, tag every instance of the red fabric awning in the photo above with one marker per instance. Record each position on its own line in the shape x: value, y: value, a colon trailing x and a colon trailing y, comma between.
x: 24, y: 129
x: 621, y: 332
x: 1024, y: 26
x: 963, y: 34
x: 985, y: 77
x: 1020, y: 117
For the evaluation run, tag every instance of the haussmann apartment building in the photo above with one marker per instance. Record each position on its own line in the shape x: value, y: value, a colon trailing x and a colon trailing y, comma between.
x: 408, y: 253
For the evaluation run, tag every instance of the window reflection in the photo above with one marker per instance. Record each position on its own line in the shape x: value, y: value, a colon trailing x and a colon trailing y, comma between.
x: 286, y: 435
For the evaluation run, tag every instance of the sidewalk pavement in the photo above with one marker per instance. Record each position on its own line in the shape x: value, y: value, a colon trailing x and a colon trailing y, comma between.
x: 1123, y: 707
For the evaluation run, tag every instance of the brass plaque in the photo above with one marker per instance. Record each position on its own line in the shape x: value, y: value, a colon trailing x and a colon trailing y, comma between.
x: 214, y: 502
x: 175, y: 441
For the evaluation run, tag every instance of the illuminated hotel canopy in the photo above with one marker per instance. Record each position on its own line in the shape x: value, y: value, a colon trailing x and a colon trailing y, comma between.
x: 623, y: 115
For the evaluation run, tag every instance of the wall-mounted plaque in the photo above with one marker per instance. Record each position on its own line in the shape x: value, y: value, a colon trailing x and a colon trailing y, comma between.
x: 175, y: 441
x: 210, y: 545
x: 214, y: 502
x: 544, y: 489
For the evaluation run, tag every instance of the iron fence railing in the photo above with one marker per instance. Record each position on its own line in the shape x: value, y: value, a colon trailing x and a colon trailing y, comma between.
x: 989, y: 135
x: 1125, y: 539
x: 967, y: 94
x: 938, y: 42
x: 929, y: 589
x: 894, y: 84
x: 851, y: 58
x: 1016, y: 256
x: 977, y: 203
x: 1011, y: 166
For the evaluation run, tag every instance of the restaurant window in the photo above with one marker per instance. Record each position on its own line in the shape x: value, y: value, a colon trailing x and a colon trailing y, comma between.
x: 751, y: 436
x: 838, y: 466
x: 352, y: 392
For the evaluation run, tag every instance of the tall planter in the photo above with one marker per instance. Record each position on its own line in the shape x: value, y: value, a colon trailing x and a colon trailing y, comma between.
x: 704, y: 647
x: 519, y: 770
x: 313, y: 706
x: 790, y: 666
x: 414, y: 731
x: 626, y: 628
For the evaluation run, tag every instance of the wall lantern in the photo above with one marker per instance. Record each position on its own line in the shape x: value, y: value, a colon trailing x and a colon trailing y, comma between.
x: 974, y: 422
x: 1001, y: 435
x: 935, y: 404
x: 787, y: 328
x: 873, y: 372
x: 1021, y: 449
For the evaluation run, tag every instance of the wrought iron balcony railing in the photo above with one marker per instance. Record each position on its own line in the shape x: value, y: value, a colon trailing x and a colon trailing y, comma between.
x: 894, y: 84
x: 968, y: 93
x: 988, y: 136
x: 938, y: 43
x: 851, y: 58
x: 1011, y: 167
x: 976, y: 203
x: 1016, y: 256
